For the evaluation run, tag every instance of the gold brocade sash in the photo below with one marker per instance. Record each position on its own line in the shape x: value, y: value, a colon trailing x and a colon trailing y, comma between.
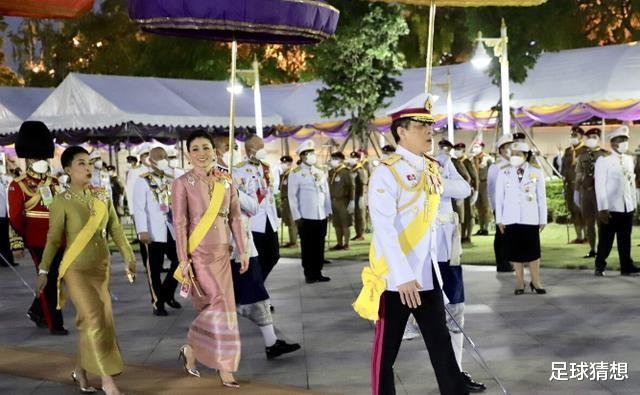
x: 373, y: 277
x: 81, y: 241
x: 206, y: 222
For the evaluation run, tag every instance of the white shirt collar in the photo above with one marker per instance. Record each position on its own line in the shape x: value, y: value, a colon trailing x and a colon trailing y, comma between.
x: 413, y: 159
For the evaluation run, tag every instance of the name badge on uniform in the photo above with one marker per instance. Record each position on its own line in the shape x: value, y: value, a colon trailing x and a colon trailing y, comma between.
x: 47, y: 196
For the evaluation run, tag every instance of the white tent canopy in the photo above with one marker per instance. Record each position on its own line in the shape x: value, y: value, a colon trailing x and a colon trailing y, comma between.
x: 98, y: 101
x: 16, y: 103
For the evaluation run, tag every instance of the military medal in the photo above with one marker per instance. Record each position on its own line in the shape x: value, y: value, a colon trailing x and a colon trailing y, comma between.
x: 47, y: 196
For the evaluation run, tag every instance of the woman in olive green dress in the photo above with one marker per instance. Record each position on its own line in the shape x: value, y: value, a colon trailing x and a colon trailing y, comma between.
x: 83, y: 216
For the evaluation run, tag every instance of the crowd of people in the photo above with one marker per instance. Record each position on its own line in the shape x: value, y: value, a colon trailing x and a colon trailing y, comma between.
x: 215, y: 227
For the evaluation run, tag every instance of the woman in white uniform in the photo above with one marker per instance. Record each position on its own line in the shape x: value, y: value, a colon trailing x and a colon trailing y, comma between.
x: 521, y: 214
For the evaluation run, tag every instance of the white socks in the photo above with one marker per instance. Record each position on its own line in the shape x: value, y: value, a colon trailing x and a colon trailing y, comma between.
x: 269, y: 335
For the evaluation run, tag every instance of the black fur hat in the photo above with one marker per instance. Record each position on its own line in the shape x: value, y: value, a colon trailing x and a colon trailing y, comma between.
x: 34, y: 141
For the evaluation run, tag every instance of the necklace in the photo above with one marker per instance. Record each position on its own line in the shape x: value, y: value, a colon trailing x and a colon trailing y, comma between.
x: 88, y: 200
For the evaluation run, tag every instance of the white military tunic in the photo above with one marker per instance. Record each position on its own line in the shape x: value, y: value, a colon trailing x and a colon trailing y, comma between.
x: 615, y: 183
x: 309, y: 193
x: 132, y: 178
x: 455, y: 187
x: 252, y: 175
x: 392, y: 210
x: 520, y: 202
x: 492, y: 177
x: 151, y: 207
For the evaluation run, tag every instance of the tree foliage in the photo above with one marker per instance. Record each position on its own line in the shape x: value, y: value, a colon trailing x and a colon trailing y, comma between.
x: 358, y: 66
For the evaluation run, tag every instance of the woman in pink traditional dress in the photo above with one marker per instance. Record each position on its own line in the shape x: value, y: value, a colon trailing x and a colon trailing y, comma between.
x: 213, y: 337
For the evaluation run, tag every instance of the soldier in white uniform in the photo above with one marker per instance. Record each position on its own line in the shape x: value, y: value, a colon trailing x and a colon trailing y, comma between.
x: 100, y: 177
x: 153, y: 221
x: 616, y: 199
x: 499, y: 250
x: 403, y: 277
x: 5, y: 244
x: 264, y: 224
x: 521, y: 214
x: 310, y: 204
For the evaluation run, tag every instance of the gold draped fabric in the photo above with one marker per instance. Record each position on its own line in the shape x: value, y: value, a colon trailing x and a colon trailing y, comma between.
x: 86, y: 281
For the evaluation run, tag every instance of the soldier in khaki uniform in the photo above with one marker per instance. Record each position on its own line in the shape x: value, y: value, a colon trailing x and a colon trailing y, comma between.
x: 360, y: 176
x: 585, y: 183
x: 481, y: 163
x: 467, y: 219
x: 568, y: 171
x: 342, y: 193
x: 285, y: 210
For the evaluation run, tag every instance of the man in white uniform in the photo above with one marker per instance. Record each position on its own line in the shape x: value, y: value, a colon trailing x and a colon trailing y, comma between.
x: 502, y: 147
x: 310, y: 204
x: 265, y: 222
x: 403, y: 277
x: 153, y: 221
x: 616, y: 200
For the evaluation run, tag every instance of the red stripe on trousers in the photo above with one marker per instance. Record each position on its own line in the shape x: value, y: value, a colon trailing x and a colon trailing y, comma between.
x: 376, y: 353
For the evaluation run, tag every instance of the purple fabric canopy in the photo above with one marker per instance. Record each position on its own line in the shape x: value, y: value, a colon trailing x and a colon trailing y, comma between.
x: 252, y: 21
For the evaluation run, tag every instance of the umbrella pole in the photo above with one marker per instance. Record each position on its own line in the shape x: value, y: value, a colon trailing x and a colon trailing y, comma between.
x: 429, y: 68
x: 232, y: 104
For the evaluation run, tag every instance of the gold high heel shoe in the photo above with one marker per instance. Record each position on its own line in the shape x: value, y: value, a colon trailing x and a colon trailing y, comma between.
x: 182, y: 355
x: 229, y: 384
x: 83, y: 390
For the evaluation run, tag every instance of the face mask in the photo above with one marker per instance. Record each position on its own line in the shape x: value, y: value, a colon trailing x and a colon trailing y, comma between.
x: 475, y: 151
x: 40, y: 167
x: 516, y: 160
x: 334, y: 163
x: 98, y: 164
x: 63, y: 179
x: 226, y: 157
x: 311, y: 159
x: 444, y: 152
x: 163, y: 165
x: 260, y: 155
x: 574, y: 141
x: 592, y: 143
x: 351, y: 161
x: 285, y: 166
x: 623, y: 147
x: 173, y: 163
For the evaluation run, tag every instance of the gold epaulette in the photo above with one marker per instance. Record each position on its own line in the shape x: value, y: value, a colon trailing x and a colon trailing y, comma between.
x: 535, y: 164
x: 297, y: 169
x: 21, y: 178
x: 241, y: 164
x: 147, y: 174
x: 391, y: 159
x: 505, y: 166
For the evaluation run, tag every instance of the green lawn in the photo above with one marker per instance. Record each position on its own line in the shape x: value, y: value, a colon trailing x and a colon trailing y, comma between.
x: 556, y: 252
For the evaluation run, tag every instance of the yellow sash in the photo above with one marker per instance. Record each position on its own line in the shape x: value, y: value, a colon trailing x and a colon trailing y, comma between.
x: 373, y: 277
x: 201, y: 230
x: 83, y: 238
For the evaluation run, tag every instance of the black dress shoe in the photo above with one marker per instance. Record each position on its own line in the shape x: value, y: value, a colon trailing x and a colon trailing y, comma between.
x: 326, y: 262
x: 160, y: 312
x: 633, y: 271
x: 310, y: 280
x: 279, y: 348
x: 591, y: 254
x: 174, y: 304
x: 59, y: 331
x: 39, y: 321
x: 323, y: 279
x: 505, y: 270
x: 539, y: 291
x: 519, y: 291
x: 471, y: 384
x: 598, y: 273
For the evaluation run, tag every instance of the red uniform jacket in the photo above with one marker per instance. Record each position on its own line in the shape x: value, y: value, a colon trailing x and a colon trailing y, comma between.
x: 28, y: 215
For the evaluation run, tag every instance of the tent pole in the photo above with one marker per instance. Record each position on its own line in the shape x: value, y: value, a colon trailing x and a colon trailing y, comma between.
x: 182, y: 152
x: 232, y: 103
x: 429, y: 65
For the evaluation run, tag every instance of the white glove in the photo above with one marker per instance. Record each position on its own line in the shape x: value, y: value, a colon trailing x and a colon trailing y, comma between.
x: 351, y: 207
x: 474, y: 197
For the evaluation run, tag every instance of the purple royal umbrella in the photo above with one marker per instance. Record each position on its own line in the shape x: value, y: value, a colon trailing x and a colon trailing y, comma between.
x: 246, y: 21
